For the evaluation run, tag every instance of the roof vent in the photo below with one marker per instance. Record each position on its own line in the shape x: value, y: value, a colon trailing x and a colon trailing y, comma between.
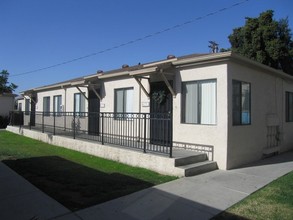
x: 125, y: 66
x: 100, y: 71
x: 170, y: 57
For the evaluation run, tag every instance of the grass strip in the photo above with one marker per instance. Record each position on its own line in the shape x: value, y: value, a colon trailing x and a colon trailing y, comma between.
x: 274, y: 202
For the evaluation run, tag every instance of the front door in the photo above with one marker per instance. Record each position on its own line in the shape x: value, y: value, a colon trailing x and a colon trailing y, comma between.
x: 161, y: 104
x: 93, y: 113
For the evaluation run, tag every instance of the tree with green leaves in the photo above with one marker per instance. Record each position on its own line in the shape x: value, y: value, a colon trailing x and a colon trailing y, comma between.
x: 265, y: 40
x: 5, y: 87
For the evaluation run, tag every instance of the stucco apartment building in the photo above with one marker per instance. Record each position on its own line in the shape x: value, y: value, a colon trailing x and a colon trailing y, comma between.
x: 239, y: 107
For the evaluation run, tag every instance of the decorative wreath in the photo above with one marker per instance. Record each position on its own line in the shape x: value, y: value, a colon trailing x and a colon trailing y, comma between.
x: 159, y: 96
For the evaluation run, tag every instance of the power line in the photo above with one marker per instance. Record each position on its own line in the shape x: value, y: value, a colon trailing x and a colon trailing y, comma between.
x: 136, y: 40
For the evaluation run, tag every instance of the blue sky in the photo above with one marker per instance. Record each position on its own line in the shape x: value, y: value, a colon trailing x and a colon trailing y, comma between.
x: 41, y: 33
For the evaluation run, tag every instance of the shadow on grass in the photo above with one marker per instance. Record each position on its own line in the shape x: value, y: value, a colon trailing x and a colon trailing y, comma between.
x: 74, y: 185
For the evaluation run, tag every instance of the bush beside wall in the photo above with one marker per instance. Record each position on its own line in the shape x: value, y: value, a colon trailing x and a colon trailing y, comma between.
x: 4, y: 121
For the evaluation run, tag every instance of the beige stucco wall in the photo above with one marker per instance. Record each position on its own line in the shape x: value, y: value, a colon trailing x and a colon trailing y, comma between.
x: 140, y: 100
x: 248, y: 143
x: 287, y: 127
x: 7, y: 104
x: 215, y: 135
x: 140, y: 105
x: 67, y: 98
x: 67, y: 103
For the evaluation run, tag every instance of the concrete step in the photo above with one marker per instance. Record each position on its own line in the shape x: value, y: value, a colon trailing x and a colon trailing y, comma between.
x: 200, y: 157
x: 199, y: 168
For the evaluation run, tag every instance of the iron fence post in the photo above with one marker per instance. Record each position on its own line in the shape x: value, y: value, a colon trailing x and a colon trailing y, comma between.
x: 102, y: 130
x: 30, y: 124
x: 171, y: 135
x: 144, y: 134
x: 22, y: 119
x: 43, y: 126
x: 21, y: 123
x: 54, y: 123
x: 19, y: 126
x: 65, y: 118
x: 73, y: 125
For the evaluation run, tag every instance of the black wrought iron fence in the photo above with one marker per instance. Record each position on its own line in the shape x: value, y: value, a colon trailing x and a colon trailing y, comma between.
x: 144, y: 131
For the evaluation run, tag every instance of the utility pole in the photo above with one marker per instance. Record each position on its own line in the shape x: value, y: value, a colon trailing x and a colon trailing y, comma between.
x: 214, y: 47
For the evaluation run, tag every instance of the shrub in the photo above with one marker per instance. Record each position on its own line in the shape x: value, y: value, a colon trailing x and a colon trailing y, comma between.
x: 4, y: 121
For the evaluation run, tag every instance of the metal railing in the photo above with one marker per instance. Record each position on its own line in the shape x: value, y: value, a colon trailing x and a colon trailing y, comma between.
x: 143, y: 131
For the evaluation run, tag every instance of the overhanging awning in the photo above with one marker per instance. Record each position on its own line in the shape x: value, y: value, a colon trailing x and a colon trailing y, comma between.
x: 93, y: 84
x: 142, y: 73
x: 88, y: 84
x: 79, y: 83
x: 162, y: 73
x: 30, y: 94
x: 95, y: 92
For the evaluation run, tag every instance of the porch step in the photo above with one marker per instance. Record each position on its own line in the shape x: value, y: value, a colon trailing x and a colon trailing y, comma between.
x: 199, y: 168
x: 200, y: 157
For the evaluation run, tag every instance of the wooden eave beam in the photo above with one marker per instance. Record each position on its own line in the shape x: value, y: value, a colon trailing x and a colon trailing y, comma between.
x: 167, y: 83
x: 141, y: 86
x: 30, y: 97
x: 96, y: 93
x: 81, y: 92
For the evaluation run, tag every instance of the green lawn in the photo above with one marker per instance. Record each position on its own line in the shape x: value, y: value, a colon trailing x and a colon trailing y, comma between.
x: 75, y: 179
x: 275, y: 201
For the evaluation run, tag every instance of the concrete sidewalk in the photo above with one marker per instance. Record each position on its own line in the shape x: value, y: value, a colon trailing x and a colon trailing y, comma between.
x: 198, y: 197
x: 21, y: 200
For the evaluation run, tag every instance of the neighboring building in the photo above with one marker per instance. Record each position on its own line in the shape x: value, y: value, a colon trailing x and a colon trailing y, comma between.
x: 6, y: 103
x: 19, y: 103
x: 240, y: 108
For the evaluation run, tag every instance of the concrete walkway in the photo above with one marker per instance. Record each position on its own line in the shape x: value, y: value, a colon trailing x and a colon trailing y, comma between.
x: 198, y: 197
